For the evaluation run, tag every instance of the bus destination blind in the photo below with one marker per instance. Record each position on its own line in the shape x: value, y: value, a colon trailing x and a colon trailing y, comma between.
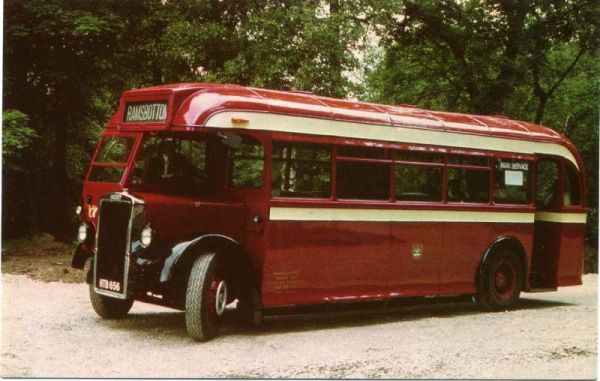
x: 146, y: 112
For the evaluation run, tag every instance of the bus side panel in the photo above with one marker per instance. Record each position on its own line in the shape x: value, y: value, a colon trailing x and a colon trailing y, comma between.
x: 570, y: 260
x: 313, y: 262
x: 417, y: 249
x: 464, y: 247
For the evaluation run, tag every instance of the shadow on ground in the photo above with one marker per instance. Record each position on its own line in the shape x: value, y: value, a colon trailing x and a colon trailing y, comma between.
x: 158, y: 325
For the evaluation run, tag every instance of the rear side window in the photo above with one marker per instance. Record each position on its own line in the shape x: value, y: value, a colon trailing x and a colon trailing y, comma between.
x: 363, y: 173
x: 512, y: 184
x: 571, y: 192
x: 364, y: 152
x: 418, y: 176
x: 363, y: 181
x: 418, y: 183
x: 301, y: 170
x: 468, y: 185
x: 468, y: 179
x: 246, y: 164
x: 547, y: 184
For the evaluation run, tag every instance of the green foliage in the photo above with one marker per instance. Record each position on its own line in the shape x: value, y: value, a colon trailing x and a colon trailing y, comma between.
x: 476, y: 55
x: 283, y: 45
x: 16, y: 137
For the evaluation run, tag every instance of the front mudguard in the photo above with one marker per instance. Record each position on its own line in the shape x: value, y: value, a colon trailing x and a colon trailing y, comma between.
x: 81, y: 255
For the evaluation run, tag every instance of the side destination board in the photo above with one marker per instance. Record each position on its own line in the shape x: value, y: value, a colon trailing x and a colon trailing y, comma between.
x: 146, y: 112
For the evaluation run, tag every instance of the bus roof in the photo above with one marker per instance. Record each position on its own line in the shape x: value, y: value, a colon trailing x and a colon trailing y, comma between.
x: 204, y: 104
x: 193, y: 103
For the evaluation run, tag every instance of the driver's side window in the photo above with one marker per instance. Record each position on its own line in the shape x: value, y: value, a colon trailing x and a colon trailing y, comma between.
x: 246, y: 164
x: 171, y: 164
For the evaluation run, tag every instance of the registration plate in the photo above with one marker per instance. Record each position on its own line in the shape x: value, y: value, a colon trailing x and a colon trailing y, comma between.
x: 110, y: 285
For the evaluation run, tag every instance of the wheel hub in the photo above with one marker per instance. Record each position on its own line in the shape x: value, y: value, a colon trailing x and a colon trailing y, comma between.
x: 504, y: 280
x: 221, y: 298
x: 500, y: 279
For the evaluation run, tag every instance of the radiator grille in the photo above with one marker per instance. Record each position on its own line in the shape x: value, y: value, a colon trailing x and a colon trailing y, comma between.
x: 112, y: 246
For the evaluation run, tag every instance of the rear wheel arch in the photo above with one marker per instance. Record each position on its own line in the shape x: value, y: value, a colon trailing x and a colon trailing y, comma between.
x: 504, y: 242
x: 502, y: 274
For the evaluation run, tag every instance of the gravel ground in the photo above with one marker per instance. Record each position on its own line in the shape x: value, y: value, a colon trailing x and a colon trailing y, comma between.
x: 50, y: 330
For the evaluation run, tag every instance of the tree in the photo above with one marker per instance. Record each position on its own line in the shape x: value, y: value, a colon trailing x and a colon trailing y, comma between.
x: 52, y: 56
x: 291, y: 44
x: 472, y: 55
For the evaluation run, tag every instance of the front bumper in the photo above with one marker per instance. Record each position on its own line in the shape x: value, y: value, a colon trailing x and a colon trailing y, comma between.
x: 144, y: 268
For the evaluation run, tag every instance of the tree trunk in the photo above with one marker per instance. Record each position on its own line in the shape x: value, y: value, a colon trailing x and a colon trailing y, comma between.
x: 59, y: 218
x: 334, y: 60
x: 541, y: 108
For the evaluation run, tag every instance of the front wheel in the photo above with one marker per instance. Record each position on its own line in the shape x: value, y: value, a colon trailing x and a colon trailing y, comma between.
x: 107, y: 307
x: 501, y: 282
x: 206, y: 297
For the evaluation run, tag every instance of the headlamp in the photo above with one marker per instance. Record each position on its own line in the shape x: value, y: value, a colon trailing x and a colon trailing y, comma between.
x: 146, y: 236
x: 82, y: 232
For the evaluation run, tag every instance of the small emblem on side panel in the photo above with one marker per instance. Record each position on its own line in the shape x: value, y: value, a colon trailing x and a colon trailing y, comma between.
x: 417, y: 251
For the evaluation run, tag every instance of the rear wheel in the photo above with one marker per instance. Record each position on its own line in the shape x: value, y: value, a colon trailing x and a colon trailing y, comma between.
x: 206, y: 297
x: 107, y: 307
x: 501, y: 282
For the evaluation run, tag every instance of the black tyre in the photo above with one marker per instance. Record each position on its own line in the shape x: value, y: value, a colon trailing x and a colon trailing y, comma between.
x: 250, y: 309
x: 206, y: 297
x: 107, y: 307
x: 501, y: 281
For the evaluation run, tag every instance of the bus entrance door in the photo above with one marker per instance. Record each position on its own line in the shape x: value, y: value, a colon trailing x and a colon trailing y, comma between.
x: 546, y: 239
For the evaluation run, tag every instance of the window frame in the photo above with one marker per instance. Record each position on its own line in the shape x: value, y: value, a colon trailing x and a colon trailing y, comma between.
x: 428, y: 164
x: 392, y: 157
x: 229, y: 169
x: 566, y: 168
x: 288, y: 142
x: 532, y: 162
x: 126, y: 165
x: 487, y: 168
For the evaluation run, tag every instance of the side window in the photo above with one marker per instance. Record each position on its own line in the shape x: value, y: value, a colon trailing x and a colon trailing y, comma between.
x: 246, y: 164
x: 468, y: 184
x: 512, y: 183
x: 301, y: 170
x: 195, y: 151
x: 420, y: 156
x: 172, y: 164
x: 363, y: 180
x: 109, y: 164
x: 364, y: 152
x: 571, y: 191
x: 418, y: 182
x: 547, y: 184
